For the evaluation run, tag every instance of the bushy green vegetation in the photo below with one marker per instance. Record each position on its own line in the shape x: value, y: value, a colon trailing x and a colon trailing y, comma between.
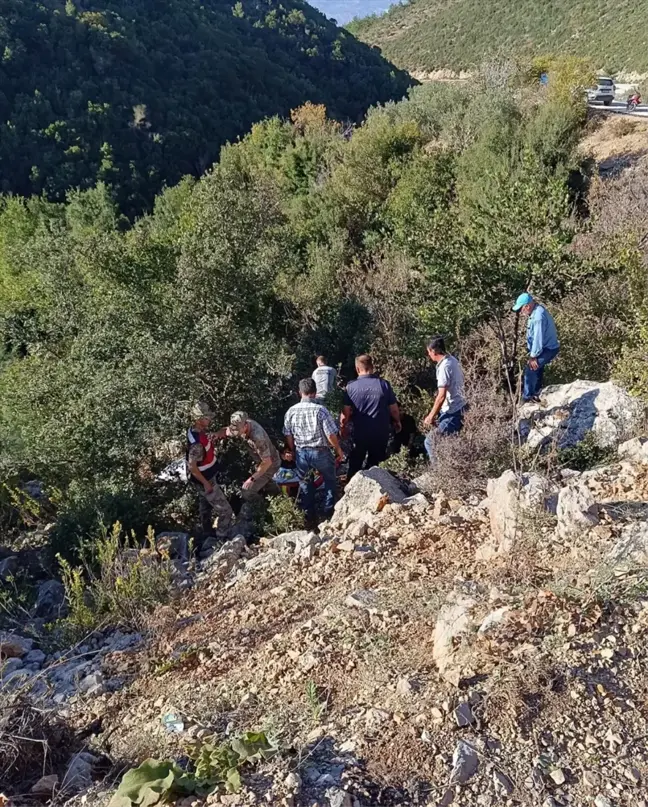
x: 137, y: 95
x: 434, y: 34
x: 117, y: 584
x: 431, y: 217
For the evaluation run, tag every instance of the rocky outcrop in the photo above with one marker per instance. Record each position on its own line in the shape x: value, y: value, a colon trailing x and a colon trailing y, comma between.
x: 568, y: 412
x: 513, y: 499
x: 366, y: 494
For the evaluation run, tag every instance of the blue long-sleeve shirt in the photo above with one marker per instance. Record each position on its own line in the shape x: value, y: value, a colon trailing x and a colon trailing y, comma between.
x: 541, y: 332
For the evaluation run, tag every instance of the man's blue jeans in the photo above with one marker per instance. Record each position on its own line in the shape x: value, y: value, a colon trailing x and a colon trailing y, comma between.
x: 533, y: 378
x: 307, y: 461
x: 449, y: 423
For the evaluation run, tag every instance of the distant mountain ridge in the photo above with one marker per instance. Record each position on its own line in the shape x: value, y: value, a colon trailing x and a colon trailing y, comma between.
x: 140, y: 94
x: 427, y: 35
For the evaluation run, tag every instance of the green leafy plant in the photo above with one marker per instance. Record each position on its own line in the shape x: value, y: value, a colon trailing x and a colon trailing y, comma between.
x: 285, y: 515
x: 214, y: 766
x: 153, y: 782
x: 218, y: 765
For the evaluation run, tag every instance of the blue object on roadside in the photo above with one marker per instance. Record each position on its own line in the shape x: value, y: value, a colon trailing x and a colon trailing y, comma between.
x: 544, y: 79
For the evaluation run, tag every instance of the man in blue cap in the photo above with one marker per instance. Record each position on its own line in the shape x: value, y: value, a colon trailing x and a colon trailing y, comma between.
x: 542, y: 344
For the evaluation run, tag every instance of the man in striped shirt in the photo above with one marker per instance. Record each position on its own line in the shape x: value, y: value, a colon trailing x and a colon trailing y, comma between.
x: 311, y: 432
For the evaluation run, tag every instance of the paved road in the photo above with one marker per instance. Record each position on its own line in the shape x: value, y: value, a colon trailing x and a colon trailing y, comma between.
x: 619, y: 108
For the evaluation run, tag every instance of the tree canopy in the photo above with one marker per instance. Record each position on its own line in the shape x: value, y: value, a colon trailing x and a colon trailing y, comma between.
x: 137, y: 95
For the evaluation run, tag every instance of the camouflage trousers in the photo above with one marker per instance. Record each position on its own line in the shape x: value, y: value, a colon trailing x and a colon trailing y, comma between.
x: 253, y: 495
x: 213, y: 504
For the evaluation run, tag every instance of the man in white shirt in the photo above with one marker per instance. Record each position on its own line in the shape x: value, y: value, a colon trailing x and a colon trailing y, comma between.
x: 447, y: 413
x: 324, y: 378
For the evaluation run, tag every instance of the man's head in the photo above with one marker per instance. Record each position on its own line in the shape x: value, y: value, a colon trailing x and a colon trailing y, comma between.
x: 307, y: 388
x: 364, y: 364
x: 239, y: 424
x: 436, y: 348
x: 321, y: 361
x: 524, y: 303
x: 201, y: 415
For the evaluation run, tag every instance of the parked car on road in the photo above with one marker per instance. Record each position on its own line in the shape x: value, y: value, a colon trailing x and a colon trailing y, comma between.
x: 604, y: 91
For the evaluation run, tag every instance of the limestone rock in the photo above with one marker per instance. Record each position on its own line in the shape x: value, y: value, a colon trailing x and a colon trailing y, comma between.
x: 50, y: 601
x: 288, y: 540
x: 512, y: 499
x: 577, y: 511
x: 635, y: 450
x: 364, y: 599
x: 503, y: 785
x: 465, y: 763
x: 78, y: 775
x: 221, y: 563
x: 365, y: 494
x: 493, y: 619
x: 632, y: 547
x: 174, y: 544
x: 45, y: 785
x: 568, y: 412
x: 14, y: 646
x: 35, y: 657
x: 455, y: 620
x: 305, y: 546
x: 9, y: 666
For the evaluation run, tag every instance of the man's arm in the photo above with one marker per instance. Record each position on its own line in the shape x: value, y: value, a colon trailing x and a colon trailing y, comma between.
x: 345, y: 418
x: 334, y: 441
x: 537, y: 342
x: 330, y: 430
x: 264, y: 465
x: 436, y: 408
x: 195, y: 455
x: 290, y: 442
x: 395, y: 416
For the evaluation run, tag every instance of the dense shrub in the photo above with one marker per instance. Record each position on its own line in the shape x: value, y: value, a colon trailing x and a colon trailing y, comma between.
x: 432, y: 216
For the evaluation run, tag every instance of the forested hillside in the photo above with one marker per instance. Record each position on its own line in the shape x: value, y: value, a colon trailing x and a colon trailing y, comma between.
x: 431, y: 217
x: 139, y: 94
x: 434, y: 34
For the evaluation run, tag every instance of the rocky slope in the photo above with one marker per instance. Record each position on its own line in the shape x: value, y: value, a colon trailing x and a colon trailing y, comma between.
x: 420, y: 650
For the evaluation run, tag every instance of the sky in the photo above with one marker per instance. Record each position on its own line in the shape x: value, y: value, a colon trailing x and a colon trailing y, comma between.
x: 345, y: 10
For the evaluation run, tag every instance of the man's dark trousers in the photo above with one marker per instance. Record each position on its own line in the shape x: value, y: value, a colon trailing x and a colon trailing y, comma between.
x: 373, y: 450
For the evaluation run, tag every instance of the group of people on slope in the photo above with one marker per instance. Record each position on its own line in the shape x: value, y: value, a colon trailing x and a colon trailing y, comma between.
x: 313, y: 437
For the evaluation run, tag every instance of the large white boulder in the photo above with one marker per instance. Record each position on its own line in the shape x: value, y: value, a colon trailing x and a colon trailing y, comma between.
x: 577, y: 511
x: 568, y: 412
x: 514, y: 499
x: 365, y: 495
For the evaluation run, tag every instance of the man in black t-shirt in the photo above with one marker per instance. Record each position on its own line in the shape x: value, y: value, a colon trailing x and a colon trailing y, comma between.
x: 370, y: 404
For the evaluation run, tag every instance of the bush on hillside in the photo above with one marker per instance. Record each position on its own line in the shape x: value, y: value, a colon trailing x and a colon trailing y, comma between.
x: 432, y: 217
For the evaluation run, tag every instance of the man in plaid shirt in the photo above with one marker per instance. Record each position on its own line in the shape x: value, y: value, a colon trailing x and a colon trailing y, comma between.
x: 311, y: 432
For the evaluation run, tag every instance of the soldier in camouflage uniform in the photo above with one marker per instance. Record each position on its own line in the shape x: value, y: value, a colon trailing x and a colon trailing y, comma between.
x: 263, y: 452
x: 202, y: 466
